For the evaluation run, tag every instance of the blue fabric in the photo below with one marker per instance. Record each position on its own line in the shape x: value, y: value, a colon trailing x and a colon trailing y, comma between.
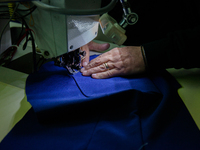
x: 53, y: 89
x: 79, y: 113
x: 104, y: 87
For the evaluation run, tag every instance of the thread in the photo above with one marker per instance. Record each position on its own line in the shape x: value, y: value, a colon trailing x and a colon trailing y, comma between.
x: 11, y: 7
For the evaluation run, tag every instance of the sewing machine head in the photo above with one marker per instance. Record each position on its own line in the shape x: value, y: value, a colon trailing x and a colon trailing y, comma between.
x: 61, y: 35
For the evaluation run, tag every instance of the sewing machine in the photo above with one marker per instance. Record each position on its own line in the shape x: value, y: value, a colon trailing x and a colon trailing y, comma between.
x: 60, y: 28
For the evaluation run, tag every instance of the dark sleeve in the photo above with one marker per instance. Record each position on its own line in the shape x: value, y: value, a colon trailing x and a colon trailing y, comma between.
x: 179, y: 49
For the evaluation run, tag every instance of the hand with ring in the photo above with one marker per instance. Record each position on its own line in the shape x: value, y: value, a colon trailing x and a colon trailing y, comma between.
x: 92, y: 46
x: 116, y: 62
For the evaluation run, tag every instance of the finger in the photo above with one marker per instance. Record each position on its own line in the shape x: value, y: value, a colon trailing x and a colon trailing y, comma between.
x: 92, y: 46
x: 85, y: 59
x: 101, y: 68
x: 103, y: 58
x: 106, y: 74
x: 98, y: 47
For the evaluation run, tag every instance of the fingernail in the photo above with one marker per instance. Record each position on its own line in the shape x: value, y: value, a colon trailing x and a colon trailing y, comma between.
x: 85, y: 64
x: 94, y: 75
x: 84, y: 73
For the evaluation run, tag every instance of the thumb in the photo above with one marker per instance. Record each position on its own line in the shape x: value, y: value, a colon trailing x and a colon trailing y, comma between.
x: 85, y: 60
x: 98, y: 47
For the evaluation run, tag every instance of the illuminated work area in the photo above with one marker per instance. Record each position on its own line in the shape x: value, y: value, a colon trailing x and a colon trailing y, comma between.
x: 82, y: 74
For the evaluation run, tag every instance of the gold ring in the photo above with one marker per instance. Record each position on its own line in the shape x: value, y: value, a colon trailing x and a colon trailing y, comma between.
x: 106, y: 65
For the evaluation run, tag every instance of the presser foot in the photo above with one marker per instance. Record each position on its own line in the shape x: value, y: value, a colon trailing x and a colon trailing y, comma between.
x: 71, y: 61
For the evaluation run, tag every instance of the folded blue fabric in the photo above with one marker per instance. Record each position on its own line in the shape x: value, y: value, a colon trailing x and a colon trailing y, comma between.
x: 144, y: 114
x: 52, y: 89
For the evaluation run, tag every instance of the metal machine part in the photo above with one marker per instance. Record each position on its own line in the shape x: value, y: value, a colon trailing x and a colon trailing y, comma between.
x: 71, y: 61
x: 129, y: 17
x: 112, y: 29
x: 116, y: 31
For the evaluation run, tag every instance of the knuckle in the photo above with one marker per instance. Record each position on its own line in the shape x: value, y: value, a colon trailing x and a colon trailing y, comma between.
x: 111, y: 66
x: 109, y: 74
x: 102, y: 67
x: 98, y: 61
x: 120, y: 65
x: 93, y: 63
x: 90, y: 65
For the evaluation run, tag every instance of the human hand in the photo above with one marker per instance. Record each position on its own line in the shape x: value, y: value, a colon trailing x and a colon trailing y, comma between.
x: 92, y: 46
x: 116, y: 62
